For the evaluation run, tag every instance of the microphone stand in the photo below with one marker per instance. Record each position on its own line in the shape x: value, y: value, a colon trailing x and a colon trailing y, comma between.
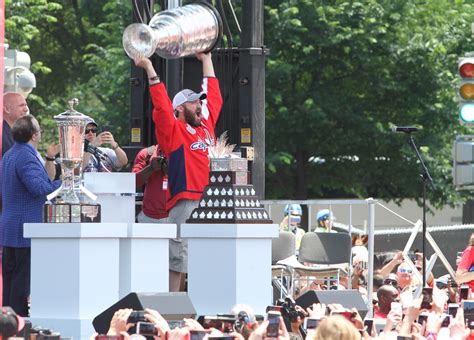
x: 426, y: 178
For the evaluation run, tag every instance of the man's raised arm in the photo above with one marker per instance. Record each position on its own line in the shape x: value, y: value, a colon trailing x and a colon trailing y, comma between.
x: 207, y: 66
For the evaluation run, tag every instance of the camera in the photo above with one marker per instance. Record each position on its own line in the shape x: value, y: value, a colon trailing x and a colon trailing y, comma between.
x: 47, y: 334
x: 463, y: 292
x: 413, y: 257
x: 369, y: 323
x: 172, y: 324
x: 422, y: 318
x: 288, y: 309
x: 146, y: 328
x: 223, y: 322
x: 136, y: 316
x: 468, y: 307
x: 427, y: 293
x: 198, y: 335
x: 453, y: 309
x: 273, y: 327
x: 310, y: 323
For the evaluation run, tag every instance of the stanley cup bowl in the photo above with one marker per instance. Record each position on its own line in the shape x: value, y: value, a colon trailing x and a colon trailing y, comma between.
x: 175, y: 33
x: 71, y: 127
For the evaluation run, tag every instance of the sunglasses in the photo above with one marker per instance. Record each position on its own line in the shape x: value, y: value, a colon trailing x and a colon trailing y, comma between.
x: 93, y: 130
x: 391, y: 282
x: 405, y: 270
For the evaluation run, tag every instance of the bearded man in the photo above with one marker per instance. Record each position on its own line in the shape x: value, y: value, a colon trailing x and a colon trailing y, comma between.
x: 185, y: 131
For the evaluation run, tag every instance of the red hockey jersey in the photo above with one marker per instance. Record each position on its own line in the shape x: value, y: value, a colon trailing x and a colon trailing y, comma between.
x: 186, y: 147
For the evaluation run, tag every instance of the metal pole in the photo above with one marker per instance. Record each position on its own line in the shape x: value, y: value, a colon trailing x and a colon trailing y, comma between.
x: 349, y: 284
x: 423, y: 239
x: 252, y: 90
x: 370, y: 270
x: 174, y: 67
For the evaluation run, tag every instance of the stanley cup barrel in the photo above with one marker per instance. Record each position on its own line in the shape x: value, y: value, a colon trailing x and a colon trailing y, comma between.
x: 175, y: 33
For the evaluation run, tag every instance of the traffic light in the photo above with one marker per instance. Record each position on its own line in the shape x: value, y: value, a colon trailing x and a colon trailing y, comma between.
x: 466, y: 90
x: 463, y: 165
x: 17, y: 76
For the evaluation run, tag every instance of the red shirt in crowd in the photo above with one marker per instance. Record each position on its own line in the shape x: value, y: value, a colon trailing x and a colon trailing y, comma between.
x: 154, y: 196
x: 467, y: 261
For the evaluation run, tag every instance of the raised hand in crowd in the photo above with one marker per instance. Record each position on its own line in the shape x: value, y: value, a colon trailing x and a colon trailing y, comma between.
x: 119, y: 322
x: 457, y: 327
x: 316, y: 311
x: 105, y: 137
x: 261, y: 332
x: 160, y: 323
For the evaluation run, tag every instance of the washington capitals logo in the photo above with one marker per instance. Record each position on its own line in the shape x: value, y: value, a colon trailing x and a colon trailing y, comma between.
x: 203, y: 145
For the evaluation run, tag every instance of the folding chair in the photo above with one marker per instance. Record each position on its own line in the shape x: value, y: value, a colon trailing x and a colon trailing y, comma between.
x: 323, y: 255
x: 282, y: 248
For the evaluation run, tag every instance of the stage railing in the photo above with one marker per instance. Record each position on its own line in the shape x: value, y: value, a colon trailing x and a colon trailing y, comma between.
x: 371, y: 203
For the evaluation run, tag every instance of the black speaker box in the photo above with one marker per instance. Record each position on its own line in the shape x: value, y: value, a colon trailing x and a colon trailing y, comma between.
x: 350, y: 298
x: 172, y: 306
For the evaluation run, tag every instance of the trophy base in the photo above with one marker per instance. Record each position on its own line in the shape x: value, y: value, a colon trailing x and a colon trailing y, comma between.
x: 71, y: 213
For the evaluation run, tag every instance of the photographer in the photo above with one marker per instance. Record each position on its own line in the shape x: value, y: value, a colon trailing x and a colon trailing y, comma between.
x: 150, y: 167
x: 245, y: 320
x: 293, y: 316
x: 98, y: 158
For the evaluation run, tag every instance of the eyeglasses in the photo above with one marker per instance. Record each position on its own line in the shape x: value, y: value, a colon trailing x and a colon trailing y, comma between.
x: 405, y: 270
x: 391, y: 282
x: 93, y: 130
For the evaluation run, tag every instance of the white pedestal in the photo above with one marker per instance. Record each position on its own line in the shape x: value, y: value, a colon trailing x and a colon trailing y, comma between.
x: 115, y: 193
x: 144, y: 265
x: 74, y: 273
x: 229, y: 264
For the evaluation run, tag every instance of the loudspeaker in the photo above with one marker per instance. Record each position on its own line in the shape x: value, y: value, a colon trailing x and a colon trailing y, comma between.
x: 350, y: 298
x: 172, y: 306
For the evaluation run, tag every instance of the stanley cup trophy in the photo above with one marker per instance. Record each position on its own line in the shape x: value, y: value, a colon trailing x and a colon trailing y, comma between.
x: 175, y: 33
x: 68, y: 206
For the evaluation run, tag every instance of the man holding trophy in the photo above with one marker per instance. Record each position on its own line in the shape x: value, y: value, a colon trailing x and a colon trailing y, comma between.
x: 185, y: 130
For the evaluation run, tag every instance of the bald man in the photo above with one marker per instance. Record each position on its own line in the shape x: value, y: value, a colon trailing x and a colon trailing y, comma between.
x: 14, y: 107
x: 386, y: 295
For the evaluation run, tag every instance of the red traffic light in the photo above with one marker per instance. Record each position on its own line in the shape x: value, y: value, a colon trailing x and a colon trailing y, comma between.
x: 466, y: 68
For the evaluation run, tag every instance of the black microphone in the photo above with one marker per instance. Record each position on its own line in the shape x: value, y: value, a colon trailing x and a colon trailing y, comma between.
x: 406, y: 129
x: 88, y: 147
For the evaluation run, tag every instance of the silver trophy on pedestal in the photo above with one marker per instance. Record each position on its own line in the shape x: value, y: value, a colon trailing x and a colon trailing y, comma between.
x: 175, y: 33
x: 68, y: 206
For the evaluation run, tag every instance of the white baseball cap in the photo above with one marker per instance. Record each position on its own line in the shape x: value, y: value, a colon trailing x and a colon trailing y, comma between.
x: 185, y: 96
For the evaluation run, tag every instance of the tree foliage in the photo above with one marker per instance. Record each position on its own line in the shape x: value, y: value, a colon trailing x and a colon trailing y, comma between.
x: 340, y: 74
x: 75, y: 47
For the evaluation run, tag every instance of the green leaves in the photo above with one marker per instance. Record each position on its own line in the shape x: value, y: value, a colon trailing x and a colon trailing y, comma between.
x: 75, y: 47
x: 359, y: 67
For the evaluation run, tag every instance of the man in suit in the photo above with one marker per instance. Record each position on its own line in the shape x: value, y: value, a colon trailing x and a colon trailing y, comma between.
x: 25, y: 187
